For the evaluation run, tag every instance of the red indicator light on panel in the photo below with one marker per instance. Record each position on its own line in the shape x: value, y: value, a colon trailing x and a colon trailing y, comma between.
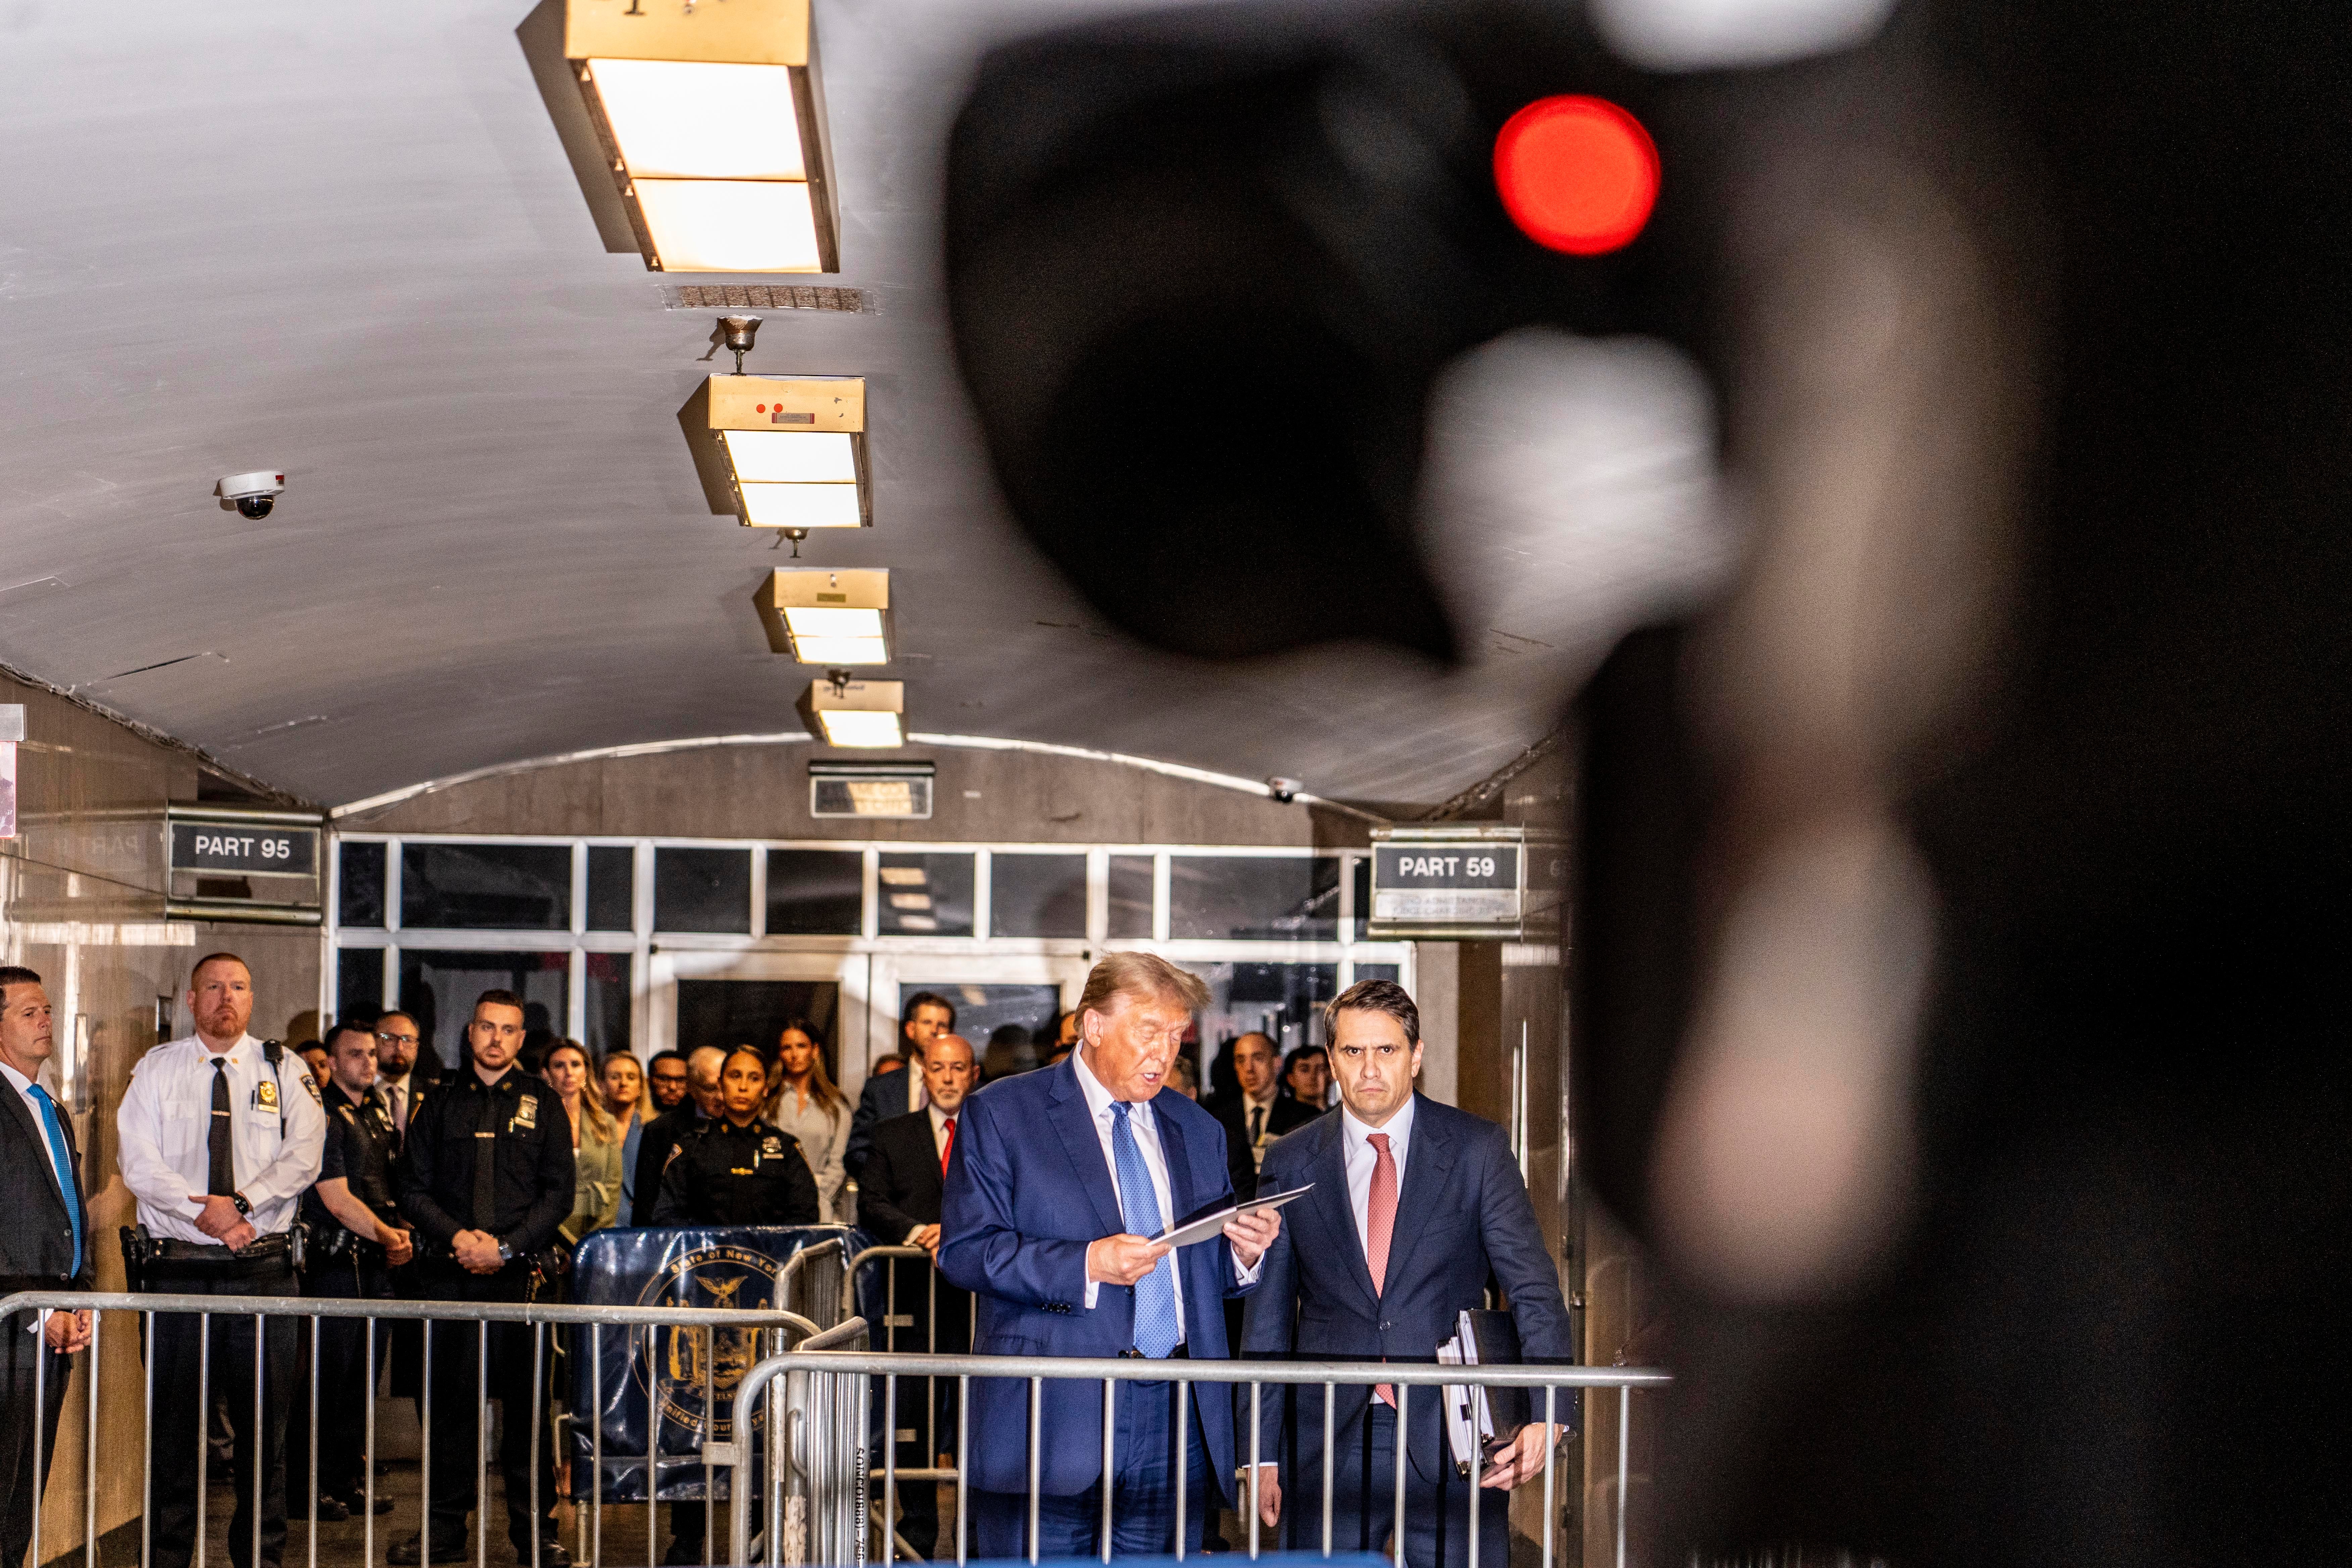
x: 1577, y: 174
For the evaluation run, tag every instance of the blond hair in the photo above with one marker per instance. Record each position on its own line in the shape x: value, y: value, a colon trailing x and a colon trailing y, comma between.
x: 598, y: 1122
x: 1136, y: 977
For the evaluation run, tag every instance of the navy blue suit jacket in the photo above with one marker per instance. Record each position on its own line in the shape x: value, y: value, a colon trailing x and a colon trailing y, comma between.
x: 1463, y: 1216
x: 1027, y: 1191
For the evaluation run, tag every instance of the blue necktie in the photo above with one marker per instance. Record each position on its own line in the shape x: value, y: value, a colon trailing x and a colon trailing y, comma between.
x: 1156, y: 1331
x: 62, y: 1164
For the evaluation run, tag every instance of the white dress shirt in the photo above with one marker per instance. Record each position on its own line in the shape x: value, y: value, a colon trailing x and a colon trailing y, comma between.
x: 23, y: 1088
x: 1262, y: 1109
x: 396, y: 1096
x: 918, y: 1093
x: 1146, y: 1128
x: 1361, y: 1157
x: 165, y: 1121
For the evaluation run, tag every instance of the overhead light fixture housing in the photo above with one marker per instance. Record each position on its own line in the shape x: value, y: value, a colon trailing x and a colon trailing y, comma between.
x: 828, y: 617
x: 712, y: 122
x: 782, y: 454
x: 872, y: 789
x: 843, y: 713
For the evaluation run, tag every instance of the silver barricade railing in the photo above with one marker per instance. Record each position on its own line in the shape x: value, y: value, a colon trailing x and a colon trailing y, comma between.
x: 788, y: 1328
x: 814, y: 1489
x: 849, y: 1372
x: 929, y: 1472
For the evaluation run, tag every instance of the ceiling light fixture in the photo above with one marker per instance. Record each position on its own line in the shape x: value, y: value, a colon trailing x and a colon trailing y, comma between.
x: 787, y: 455
x: 712, y: 122
x: 827, y: 617
x: 842, y: 711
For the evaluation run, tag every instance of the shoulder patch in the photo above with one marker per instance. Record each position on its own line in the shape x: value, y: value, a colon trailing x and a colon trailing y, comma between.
x: 312, y: 1085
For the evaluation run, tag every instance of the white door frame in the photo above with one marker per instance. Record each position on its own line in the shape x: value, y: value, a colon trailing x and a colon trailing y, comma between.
x: 666, y: 965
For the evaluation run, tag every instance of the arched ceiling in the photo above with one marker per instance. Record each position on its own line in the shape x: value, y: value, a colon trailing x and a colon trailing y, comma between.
x: 345, y: 242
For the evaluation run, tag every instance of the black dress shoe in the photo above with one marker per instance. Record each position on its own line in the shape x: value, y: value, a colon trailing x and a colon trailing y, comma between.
x: 356, y: 1501
x: 331, y: 1509
x: 550, y: 1555
x: 410, y: 1553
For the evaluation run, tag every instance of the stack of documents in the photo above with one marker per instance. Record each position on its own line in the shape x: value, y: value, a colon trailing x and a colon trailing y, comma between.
x: 1473, y: 1420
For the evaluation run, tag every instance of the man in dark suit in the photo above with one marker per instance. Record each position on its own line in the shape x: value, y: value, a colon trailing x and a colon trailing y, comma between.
x: 1057, y: 1183
x: 928, y: 1016
x: 44, y: 1246
x: 1416, y: 1207
x: 1258, y: 1113
x: 899, y: 1203
x: 667, y: 1131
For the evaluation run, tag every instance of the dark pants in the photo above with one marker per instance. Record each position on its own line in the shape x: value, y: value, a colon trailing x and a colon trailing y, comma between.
x: 341, y: 1356
x: 457, y: 1406
x: 175, y: 1358
x: 920, y: 1440
x: 1143, y: 1490
x: 1363, y: 1498
x: 21, y: 1353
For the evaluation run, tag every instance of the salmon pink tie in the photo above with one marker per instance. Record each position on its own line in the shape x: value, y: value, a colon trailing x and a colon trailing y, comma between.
x: 1380, y: 1227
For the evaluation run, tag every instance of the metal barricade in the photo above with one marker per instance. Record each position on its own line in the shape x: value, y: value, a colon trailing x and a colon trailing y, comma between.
x: 892, y: 1320
x: 784, y: 1328
x: 833, y: 1385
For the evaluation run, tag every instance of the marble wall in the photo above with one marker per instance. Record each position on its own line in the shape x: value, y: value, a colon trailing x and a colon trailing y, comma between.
x: 82, y: 901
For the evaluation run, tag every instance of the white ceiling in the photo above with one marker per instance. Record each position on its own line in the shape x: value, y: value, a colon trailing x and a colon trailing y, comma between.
x: 343, y: 241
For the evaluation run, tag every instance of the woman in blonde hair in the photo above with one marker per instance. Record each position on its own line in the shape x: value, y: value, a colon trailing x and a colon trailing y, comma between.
x: 595, y: 1141
x: 805, y: 1104
x: 622, y: 1078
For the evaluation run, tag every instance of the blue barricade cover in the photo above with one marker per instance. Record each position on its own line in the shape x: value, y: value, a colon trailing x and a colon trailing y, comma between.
x: 671, y: 1378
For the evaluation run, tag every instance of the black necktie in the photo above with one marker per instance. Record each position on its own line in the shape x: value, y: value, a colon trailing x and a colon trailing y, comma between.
x: 486, y: 1164
x: 1257, y: 1124
x: 220, y: 1175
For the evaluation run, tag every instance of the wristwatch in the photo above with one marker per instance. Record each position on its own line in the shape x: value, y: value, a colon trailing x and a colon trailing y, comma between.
x: 242, y: 1206
x: 505, y: 1253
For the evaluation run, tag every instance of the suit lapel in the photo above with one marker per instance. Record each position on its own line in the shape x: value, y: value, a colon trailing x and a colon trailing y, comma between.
x: 1068, y: 1112
x: 1331, y: 1207
x: 22, y: 1116
x: 1182, y: 1199
x: 1428, y: 1161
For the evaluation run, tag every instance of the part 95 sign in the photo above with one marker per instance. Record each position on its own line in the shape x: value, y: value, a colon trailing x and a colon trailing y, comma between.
x: 207, y: 846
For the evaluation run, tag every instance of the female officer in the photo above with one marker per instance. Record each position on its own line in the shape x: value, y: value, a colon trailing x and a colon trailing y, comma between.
x: 736, y: 1169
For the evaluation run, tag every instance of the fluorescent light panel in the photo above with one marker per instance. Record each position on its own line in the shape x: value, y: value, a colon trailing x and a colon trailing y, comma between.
x: 792, y: 457
x: 686, y: 119
x: 850, y: 727
x: 730, y: 225
x: 806, y: 622
x: 800, y: 506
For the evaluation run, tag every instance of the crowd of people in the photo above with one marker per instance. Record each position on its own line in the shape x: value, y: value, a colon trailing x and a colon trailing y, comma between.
x: 360, y: 1166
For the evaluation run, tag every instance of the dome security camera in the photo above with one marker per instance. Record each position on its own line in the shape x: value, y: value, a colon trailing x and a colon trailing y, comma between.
x: 251, y: 494
x: 1284, y: 790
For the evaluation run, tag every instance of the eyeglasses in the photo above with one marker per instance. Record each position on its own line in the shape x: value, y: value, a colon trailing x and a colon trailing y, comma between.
x: 397, y: 1039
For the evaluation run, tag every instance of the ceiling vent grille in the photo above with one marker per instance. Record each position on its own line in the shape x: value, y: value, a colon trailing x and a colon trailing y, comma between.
x: 767, y: 297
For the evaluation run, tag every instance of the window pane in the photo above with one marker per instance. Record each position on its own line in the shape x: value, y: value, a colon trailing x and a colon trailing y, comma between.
x: 605, y: 1027
x: 1283, y: 1002
x: 1379, y: 972
x: 486, y: 887
x: 725, y: 1012
x: 925, y: 895
x: 438, y: 990
x: 612, y: 886
x: 702, y: 889
x: 815, y: 892
x: 1131, y: 895
x: 359, y: 982
x: 1003, y: 1023
x: 1255, y: 898
x: 1038, y: 895
x: 360, y: 900
x: 1363, y: 881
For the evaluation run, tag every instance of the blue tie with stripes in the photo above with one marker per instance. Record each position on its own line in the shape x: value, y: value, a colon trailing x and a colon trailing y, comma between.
x: 1155, y: 1294
x: 61, y: 1165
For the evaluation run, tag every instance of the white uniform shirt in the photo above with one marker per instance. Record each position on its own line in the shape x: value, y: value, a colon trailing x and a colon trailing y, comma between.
x: 1361, y: 1157
x: 166, y: 1123
x: 1146, y: 1128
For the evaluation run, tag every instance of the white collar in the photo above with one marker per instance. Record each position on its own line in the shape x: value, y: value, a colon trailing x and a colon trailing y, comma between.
x: 234, y: 1054
x: 16, y: 1081
x: 1399, y: 1128
x: 1098, y: 1099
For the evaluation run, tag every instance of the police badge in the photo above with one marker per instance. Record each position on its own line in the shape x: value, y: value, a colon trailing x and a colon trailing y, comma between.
x: 266, y: 1095
x: 525, y: 1116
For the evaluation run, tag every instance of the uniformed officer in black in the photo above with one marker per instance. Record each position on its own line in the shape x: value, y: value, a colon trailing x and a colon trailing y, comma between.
x: 735, y: 1169
x: 357, y: 1238
x: 485, y: 1177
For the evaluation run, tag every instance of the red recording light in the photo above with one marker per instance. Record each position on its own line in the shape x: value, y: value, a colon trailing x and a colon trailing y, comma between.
x: 1577, y: 174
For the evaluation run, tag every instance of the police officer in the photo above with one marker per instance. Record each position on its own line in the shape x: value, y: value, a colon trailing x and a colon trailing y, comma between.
x: 357, y: 1238
x: 735, y: 1169
x: 219, y: 1134
x: 485, y: 1177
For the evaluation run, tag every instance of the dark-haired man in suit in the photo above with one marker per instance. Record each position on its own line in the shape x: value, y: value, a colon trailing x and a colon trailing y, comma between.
x: 1416, y: 1205
x: 1259, y: 1113
x: 44, y: 1246
x: 928, y: 1015
x: 899, y: 1203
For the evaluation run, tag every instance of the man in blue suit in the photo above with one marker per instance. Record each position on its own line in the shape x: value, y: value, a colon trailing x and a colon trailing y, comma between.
x: 1416, y: 1207
x: 1055, y: 1183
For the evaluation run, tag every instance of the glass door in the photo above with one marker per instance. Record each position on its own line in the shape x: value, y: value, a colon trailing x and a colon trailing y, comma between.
x: 1001, y: 1001
x: 739, y: 996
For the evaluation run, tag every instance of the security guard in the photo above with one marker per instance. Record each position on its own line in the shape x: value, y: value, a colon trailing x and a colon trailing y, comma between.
x: 485, y: 1177
x: 734, y: 1169
x: 357, y: 1238
x: 219, y: 1134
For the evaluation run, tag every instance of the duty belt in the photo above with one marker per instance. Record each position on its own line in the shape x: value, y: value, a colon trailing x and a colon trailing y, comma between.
x: 163, y: 1249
